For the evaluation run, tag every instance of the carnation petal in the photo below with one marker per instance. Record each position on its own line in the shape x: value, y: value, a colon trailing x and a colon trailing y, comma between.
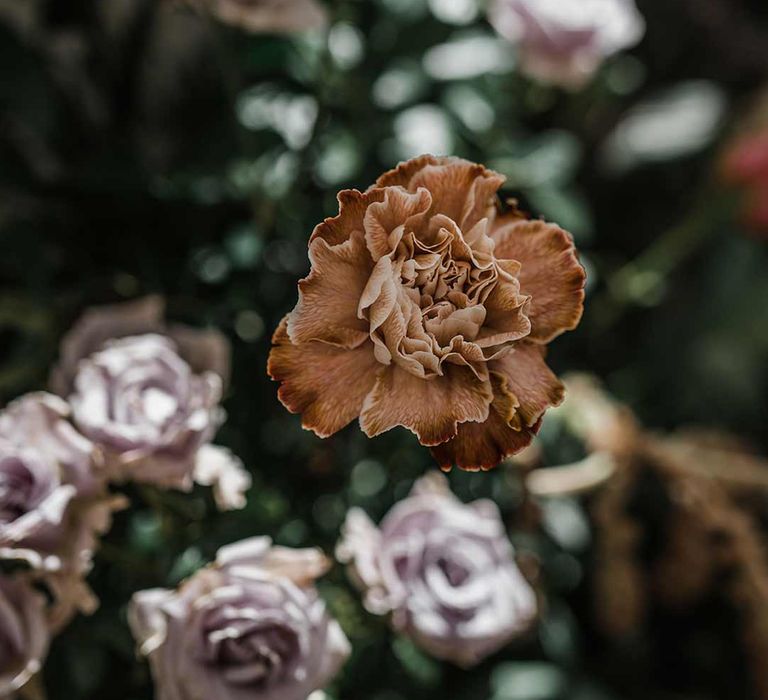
x: 386, y: 221
x: 550, y: 273
x: 312, y: 376
x: 530, y: 381
x: 482, y: 446
x: 329, y: 296
x: 432, y: 409
x: 352, y: 207
x: 461, y: 190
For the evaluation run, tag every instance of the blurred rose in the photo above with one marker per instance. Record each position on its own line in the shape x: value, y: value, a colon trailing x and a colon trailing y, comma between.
x: 445, y: 572
x: 249, y: 626
x: 53, y: 500
x: 204, y: 350
x: 148, y: 395
x: 267, y: 16
x: 426, y: 307
x: 143, y: 405
x: 24, y: 633
x: 563, y: 42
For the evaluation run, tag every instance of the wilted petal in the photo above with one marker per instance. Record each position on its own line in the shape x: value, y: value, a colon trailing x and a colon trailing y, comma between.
x: 324, y: 383
x: 431, y: 409
x: 301, y: 566
x: 550, y: 274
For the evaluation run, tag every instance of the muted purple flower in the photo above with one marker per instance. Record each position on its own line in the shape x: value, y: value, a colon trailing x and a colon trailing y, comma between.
x: 249, y: 627
x: 443, y: 570
x: 24, y: 633
x: 53, y: 498
x: 204, y: 350
x: 147, y: 393
x: 148, y: 411
x: 563, y: 42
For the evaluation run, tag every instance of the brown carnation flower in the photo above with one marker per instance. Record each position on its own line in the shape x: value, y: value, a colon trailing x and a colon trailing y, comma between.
x: 428, y: 308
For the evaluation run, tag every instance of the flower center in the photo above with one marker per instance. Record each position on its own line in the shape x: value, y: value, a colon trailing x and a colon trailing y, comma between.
x: 19, y: 490
x: 248, y: 651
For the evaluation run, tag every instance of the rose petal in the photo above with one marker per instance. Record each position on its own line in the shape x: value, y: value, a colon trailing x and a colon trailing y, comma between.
x: 550, y: 273
x: 98, y: 325
x: 217, y: 467
x: 204, y: 350
x: 324, y: 383
x: 329, y: 296
x: 432, y: 409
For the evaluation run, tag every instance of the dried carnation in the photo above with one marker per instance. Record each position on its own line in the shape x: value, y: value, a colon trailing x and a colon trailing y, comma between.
x: 427, y: 307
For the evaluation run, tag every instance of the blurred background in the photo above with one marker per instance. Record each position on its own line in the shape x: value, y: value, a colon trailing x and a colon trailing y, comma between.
x: 147, y: 148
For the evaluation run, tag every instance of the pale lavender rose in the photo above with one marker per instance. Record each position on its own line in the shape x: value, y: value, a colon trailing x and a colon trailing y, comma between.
x: 443, y: 570
x: 563, y: 42
x: 24, y: 633
x: 142, y: 404
x: 148, y: 395
x: 249, y: 627
x: 205, y: 350
x: 53, y: 498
